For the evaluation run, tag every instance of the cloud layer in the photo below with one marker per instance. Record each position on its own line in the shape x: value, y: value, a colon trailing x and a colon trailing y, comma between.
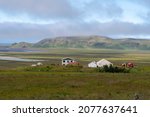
x: 33, y: 20
x: 38, y: 8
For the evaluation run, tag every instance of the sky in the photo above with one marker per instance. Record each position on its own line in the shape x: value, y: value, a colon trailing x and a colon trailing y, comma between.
x: 34, y: 20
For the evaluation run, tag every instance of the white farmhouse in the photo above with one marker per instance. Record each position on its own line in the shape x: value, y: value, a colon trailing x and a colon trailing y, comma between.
x: 66, y: 61
x: 93, y: 64
x: 104, y: 62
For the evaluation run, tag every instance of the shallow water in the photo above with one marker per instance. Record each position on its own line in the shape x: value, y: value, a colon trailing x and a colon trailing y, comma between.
x: 8, y: 58
x: 18, y: 50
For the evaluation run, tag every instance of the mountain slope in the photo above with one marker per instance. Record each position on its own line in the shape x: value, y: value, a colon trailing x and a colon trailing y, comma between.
x: 73, y: 42
x: 88, y: 42
x: 94, y: 42
x: 21, y: 45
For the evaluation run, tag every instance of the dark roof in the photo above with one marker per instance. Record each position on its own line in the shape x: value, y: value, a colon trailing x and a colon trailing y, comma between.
x: 67, y: 58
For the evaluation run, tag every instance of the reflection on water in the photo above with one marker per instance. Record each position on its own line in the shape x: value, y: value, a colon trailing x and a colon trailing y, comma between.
x: 17, y: 59
x: 17, y: 50
x: 8, y: 58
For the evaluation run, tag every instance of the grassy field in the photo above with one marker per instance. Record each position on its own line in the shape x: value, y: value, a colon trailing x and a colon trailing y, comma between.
x: 17, y: 83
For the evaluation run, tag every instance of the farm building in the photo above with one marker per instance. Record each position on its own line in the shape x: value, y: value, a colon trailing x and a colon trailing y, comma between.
x: 74, y: 63
x: 93, y: 64
x: 104, y: 62
x: 128, y: 65
x: 100, y: 63
x: 66, y: 61
x: 39, y: 64
x: 33, y: 65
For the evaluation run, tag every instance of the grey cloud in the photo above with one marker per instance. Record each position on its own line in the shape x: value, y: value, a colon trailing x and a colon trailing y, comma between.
x: 19, y: 32
x: 62, y: 9
x: 58, y: 9
x: 142, y: 2
x: 113, y: 28
x: 39, y: 8
x: 145, y: 4
x: 103, y: 8
x: 36, y: 32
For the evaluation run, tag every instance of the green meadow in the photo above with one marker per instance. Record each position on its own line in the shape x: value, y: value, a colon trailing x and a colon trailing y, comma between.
x: 18, y: 80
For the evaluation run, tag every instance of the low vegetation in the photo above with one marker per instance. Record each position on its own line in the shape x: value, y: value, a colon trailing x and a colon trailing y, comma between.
x: 18, y: 80
x: 73, y: 85
x: 114, y: 69
x: 78, y: 68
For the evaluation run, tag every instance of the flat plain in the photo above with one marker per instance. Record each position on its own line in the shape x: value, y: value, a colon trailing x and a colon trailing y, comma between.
x: 16, y: 82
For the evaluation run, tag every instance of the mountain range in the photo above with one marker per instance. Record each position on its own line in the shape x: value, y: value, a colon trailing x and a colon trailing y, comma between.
x: 87, y: 42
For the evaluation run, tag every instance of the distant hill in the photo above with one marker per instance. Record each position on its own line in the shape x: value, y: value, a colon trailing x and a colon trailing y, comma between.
x: 89, y: 42
x: 4, y: 45
x: 21, y: 45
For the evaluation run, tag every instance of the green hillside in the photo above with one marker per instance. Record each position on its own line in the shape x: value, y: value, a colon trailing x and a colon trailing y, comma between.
x: 22, y: 45
x: 89, y: 42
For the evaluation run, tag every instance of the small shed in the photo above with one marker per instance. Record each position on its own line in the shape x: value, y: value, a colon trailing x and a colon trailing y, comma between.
x: 39, y: 64
x: 93, y: 64
x: 33, y: 65
x: 104, y: 62
x: 128, y: 65
x: 74, y: 63
x: 66, y: 61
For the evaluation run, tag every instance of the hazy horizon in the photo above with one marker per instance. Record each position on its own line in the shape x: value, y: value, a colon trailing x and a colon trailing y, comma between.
x: 35, y: 41
x: 34, y: 20
x: 11, y: 42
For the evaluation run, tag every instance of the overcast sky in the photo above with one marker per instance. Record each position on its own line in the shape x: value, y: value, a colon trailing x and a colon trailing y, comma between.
x: 33, y: 20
